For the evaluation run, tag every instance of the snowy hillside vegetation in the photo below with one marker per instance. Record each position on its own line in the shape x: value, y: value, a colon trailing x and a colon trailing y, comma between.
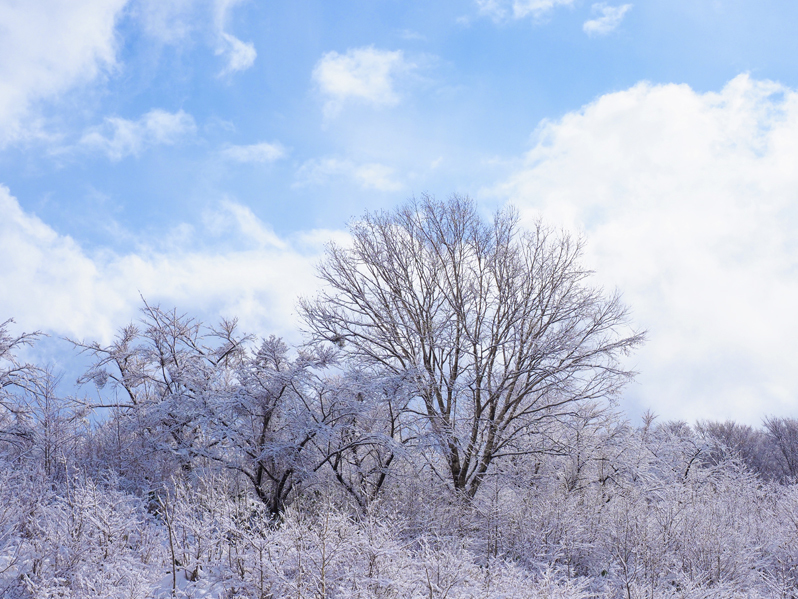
x: 447, y: 430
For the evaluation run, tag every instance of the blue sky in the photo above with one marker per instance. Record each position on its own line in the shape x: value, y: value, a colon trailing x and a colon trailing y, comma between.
x: 200, y: 153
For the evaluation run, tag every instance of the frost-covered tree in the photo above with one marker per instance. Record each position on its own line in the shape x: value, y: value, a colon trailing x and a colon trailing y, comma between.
x: 371, y: 434
x: 16, y: 379
x: 499, y: 327
x: 754, y: 447
x: 161, y: 381
x: 269, y: 424
x: 784, y: 434
x: 185, y: 396
x: 37, y: 425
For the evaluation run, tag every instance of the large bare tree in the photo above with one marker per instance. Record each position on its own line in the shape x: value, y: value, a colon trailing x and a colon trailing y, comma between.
x: 498, y: 326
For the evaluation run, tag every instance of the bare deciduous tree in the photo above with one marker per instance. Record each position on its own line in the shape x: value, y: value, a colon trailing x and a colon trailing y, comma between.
x: 753, y: 447
x: 199, y: 396
x: 369, y: 434
x: 497, y: 325
x: 18, y: 379
x: 784, y: 434
x: 161, y: 378
x: 14, y: 374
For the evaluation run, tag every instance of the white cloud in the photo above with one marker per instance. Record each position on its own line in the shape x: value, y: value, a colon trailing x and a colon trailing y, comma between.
x: 233, y: 218
x: 46, y: 48
x: 502, y: 10
x: 240, y: 55
x: 119, y: 137
x: 53, y: 284
x: 689, y: 205
x: 256, y: 153
x: 366, y: 75
x: 370, y: 175
x: 609, y: 18
x: 174, y: 22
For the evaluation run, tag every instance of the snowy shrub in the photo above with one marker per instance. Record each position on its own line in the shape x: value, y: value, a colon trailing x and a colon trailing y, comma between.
x: 90, y: 541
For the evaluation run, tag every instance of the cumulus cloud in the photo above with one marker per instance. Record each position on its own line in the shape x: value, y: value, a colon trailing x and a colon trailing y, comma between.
x: 688, y: 201
x: 370, y: 175
x: 240, y: 55
x: 255, y: 153
x: 502, y: 10
x: 119, y: 137
x: 48, y: 47
x: 608, y: 19
x: 366, y: 75
x: 54, y: 284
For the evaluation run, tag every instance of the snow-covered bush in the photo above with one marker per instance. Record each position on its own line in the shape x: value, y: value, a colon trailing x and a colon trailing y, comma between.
x: 88, y: 540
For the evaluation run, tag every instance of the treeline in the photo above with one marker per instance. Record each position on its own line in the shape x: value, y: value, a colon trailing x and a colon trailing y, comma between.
x: 446, y: 430
x: 770, y: 452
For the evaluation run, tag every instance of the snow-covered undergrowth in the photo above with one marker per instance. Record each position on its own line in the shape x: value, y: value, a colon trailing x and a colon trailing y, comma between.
x: 717, y: 532
x: 226, y: 470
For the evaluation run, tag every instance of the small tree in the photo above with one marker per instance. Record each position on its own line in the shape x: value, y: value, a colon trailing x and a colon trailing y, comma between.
x: 32, y: 417
x: 268, y: 424
x: 496, y: 325
x: 185, y: 395
x: 161, y: 384
x: 370, y: 433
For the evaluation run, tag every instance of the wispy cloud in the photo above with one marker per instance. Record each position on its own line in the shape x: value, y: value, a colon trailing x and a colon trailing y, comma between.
x: 173, y: 22
x: 255, y: 153
x: 240, y: 55
x: 231, y: 218
x: 370, y: 175
x: 411, y: 35
x: 119, y: 137
x: 608, y: 19
x: 365, y: 75
x: 503, y: 10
